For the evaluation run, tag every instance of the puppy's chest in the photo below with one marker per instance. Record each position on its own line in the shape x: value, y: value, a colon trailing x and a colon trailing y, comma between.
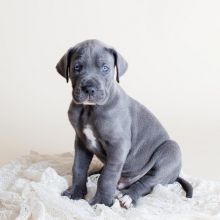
x: 93, y: 141
x: 91, y: 133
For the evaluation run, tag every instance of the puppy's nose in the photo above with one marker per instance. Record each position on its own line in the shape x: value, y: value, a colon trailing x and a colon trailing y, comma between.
x: 90, y: 90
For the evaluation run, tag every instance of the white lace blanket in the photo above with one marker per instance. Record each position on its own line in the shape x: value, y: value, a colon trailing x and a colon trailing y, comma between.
x: 30, y: 188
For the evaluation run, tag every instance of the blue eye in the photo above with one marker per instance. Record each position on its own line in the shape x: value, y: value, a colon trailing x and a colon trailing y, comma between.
x: 77, y: 67
x: 105, y: 68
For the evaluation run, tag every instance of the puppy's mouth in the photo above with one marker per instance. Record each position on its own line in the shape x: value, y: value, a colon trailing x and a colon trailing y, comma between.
x: 82, y: 98
x: 89, y: 101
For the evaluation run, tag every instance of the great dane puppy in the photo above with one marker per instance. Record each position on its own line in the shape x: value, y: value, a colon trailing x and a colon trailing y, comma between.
x: 135, y: 149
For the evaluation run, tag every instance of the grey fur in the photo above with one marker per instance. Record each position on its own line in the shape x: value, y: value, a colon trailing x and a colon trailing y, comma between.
x: 135, y: 148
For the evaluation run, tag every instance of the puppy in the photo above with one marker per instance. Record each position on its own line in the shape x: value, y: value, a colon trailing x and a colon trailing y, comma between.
x: 135, y: 149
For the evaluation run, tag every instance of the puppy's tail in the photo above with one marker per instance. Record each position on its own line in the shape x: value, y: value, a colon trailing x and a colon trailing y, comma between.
x: 186, y: 186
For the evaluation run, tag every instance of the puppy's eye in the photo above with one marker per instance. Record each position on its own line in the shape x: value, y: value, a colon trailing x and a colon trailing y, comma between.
x: 77, y: 67
x: 105, y: 68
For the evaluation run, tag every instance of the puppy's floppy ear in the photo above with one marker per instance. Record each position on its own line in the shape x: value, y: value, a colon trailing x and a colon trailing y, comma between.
x: 64, y: 64
x: 120, y: 64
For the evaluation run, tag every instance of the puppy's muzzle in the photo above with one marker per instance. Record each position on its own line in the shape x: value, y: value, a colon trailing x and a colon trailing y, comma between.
x: 89, y: 92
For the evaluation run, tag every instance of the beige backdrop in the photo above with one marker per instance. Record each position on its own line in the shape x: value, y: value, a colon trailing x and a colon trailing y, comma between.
x: 173, y: 51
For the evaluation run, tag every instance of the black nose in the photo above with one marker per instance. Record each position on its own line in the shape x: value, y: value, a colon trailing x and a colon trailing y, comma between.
x: 89, y: 90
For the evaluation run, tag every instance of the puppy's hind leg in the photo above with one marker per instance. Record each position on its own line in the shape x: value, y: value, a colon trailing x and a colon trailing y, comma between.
x: 165, y: 170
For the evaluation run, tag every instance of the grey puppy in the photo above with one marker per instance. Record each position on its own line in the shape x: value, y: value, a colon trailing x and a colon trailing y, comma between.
x: 135, y: 149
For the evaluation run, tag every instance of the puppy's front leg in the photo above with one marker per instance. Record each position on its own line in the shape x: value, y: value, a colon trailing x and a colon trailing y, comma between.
x: 80, y: 168
x: 108, y: 180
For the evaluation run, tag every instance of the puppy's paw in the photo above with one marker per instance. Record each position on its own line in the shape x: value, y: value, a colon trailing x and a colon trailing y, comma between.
x: 74, y: 194
x: 125, y: 201
x: 102, y: 199
x: 67, y: 192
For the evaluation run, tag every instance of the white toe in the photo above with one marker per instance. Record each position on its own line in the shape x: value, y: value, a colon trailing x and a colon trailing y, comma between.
x: 125, y: 201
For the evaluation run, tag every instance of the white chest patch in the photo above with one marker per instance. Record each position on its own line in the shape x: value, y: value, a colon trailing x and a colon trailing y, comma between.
x: 90, y: 136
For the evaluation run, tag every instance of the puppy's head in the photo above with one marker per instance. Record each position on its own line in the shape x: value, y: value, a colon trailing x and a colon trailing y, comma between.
x: 90, y: 66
